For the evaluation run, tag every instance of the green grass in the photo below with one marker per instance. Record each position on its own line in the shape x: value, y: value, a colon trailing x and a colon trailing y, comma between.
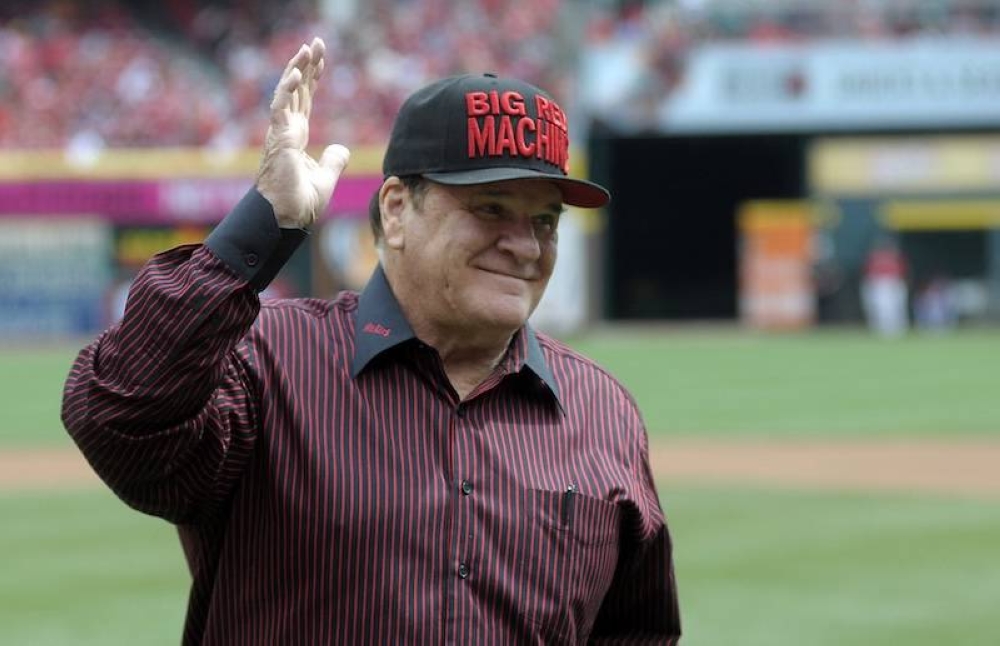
x: 760, y: 568
x: 827, y: 383
x: 754, y: 567
x: 705, y: 382
x: 81, y: 568
x: 31, y: 383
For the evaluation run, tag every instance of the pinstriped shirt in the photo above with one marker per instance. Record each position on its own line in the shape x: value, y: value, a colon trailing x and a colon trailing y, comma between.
x: 328, y: 485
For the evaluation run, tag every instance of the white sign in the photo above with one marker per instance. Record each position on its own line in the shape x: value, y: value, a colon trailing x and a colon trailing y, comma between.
x: 837, y: 85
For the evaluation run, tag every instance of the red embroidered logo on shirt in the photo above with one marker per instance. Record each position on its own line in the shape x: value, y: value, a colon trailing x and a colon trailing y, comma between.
x: 376, y: 328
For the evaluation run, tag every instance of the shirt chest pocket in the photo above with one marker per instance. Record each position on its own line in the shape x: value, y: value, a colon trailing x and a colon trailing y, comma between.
x: 569, y: 550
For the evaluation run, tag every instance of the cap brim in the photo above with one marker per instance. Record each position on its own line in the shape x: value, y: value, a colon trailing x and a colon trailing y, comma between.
x: 575, y: 192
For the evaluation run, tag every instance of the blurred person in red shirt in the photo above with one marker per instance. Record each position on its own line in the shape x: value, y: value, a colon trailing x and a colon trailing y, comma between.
x: 884, y: 290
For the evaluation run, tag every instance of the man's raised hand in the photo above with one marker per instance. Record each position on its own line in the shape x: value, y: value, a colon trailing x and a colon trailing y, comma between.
x: 297, y: 186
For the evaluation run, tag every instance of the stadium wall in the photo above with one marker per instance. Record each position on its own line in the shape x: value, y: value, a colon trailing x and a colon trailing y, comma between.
x: 73, y: 232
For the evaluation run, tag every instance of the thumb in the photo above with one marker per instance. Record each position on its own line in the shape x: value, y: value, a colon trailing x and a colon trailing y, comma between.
x: 335, y: 158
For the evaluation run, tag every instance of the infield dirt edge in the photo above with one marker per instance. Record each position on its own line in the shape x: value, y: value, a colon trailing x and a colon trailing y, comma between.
x: 955, y: 467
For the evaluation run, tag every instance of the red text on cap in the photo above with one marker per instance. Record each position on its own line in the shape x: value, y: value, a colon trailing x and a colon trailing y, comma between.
x: 481, y: 103
x: 498, y: 125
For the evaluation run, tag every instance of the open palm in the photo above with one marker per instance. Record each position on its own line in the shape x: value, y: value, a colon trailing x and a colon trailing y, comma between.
x: 298, y: 186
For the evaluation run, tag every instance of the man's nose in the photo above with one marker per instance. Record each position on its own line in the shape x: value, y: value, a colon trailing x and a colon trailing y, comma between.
x: 518, y: 239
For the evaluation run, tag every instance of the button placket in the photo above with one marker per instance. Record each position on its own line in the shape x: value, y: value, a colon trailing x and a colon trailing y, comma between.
x: 465, y: 490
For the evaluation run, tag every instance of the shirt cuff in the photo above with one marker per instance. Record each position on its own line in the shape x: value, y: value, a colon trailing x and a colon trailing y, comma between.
x: 250, y: 242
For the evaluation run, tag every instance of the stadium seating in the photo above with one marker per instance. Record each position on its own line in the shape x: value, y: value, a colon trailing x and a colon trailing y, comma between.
x: 91, y: 75
x: 87, y: 79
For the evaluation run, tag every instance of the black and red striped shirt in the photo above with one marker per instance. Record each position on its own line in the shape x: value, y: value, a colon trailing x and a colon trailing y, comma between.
x: 330, y: 488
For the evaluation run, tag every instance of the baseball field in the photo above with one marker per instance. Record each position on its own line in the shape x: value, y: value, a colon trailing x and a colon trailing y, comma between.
x: 822, y: 488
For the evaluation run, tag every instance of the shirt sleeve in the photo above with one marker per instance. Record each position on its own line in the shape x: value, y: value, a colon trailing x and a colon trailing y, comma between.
x: 641, y: 605
x: 163, y: 404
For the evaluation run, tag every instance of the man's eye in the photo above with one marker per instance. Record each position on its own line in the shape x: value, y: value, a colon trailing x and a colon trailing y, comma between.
x: 490, y: 211
x: 546, y: 223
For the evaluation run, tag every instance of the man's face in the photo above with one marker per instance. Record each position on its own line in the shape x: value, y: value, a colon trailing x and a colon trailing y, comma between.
x: 478, y: 258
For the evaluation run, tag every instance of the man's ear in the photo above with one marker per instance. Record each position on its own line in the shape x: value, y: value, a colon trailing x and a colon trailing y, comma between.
x: 393, y: 199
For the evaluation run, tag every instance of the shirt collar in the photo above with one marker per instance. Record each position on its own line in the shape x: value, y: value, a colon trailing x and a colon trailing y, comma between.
x: 381, y: 325
x: 534, y: 360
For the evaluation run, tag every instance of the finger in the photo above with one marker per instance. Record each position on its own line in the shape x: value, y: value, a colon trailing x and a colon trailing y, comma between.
x: 335, y: 157
x: 295, y: 97
x: 318, y: 50
x: 311, y: 72
x: 306, y: 60
x: 301, y: 100
x: 306, y: 88
x: 298, y: 61
x: 290, y: 77
x: 284, y: 94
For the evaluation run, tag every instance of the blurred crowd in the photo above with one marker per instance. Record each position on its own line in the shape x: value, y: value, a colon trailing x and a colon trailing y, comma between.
x: 89, y: 75
x: 107, y: 73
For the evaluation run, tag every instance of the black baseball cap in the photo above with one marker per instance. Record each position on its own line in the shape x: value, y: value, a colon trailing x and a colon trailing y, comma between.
x: 478, y: 128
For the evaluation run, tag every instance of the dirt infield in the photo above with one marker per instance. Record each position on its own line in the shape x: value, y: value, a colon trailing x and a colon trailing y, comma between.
x: 44, y: 469
x: 965, y: 468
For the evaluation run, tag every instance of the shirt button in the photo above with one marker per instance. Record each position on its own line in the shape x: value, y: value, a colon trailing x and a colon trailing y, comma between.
x: 463, y: 571
x: 466, y: 487
x: 251, y: 259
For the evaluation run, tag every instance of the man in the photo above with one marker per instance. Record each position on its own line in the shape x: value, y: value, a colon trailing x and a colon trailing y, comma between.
x: 411, y: 465
x: 885, y: 297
